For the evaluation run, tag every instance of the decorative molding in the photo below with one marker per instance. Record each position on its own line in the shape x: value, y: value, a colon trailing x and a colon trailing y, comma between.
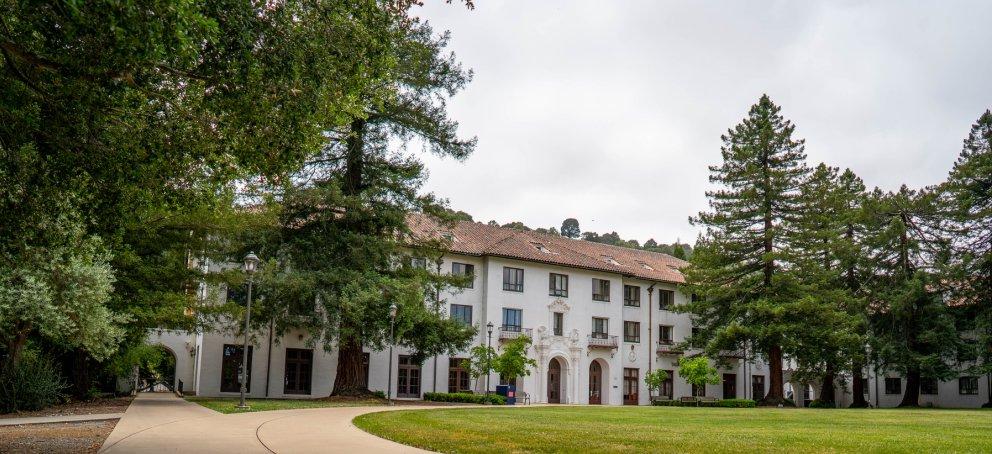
x: 559, y: 305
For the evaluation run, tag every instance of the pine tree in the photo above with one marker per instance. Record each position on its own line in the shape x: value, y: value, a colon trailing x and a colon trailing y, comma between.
x: 736, y: 269
x: 913, y: 329
x: 824, y: 254
x: 343, y: 223
x: 968, y: 193
x: 570, y: 228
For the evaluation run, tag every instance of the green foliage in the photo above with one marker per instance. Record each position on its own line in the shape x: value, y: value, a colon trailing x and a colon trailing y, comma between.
x: 513, y: 361
x: 570, y: 228
x: 655, y: 379
x: 817, y: 403
x: 480, y: 362
x: 467, y: 398
x: 32, y: 384
x: 723, y: 403
x: 697, y: 371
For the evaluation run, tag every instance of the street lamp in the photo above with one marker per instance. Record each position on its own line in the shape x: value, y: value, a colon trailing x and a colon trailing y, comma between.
x: 392, y: 321
x: 251, y: 261
x: 489, y: 343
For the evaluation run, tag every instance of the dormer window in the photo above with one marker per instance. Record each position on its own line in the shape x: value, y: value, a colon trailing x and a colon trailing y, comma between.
x: 448, y: 236
x: 540, y: 247
x: 646, y: 266
x: 610, y: 260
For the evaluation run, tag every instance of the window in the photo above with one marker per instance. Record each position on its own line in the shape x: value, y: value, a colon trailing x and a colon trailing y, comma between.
x: 968, y: 385
x: 757, y: 387
x: 299, y: 365
x: 600, y: 290
x: 513, y: 279
x: 893, y: 385
x: 559, y: 324
x: 558, y: 285
x: 632, y: 296
x: 696, y: 342
x: 464, y: 269
x: 668, y: 386
x: 458, y: 379
x: 418, y: 262
x: 928, y: 386
x: 462, y: 313
x: 665, y: 335
x: 408, y: 377
x: 631, y: 331
x: 230, y: 368
x: 512, y: 319
x: 600, y: 327
x: 864, y: 386
x: 237, y: 294
x: 665, y: 299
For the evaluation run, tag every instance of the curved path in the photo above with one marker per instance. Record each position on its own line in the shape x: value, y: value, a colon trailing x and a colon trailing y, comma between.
x: 165, y: 423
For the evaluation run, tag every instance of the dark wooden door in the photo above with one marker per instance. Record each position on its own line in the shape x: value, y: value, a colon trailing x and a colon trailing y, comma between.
x: 595, y: 383
x: 630, y: 386
x: 408, y: 378
x: 554, y: 382
x: 299, y: 367
x: 729, y: 386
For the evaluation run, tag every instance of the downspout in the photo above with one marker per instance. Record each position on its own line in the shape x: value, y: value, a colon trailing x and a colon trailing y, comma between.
x: 650, y: 341
x: 268, y: 361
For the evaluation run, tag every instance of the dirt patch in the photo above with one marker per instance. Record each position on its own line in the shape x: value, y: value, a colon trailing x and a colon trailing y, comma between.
x: 74, y: 437
x: 96, y: 406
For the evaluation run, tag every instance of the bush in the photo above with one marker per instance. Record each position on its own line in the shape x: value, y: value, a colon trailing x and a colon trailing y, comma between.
x: 379, y: 394
x: 467, y: 398
x: 725, y: 403
x: 31, y: 385
x: 817, y: 403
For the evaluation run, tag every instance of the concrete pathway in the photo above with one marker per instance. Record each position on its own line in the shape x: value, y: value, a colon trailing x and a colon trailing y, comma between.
x: 165, y: 423
x: 59, y: 418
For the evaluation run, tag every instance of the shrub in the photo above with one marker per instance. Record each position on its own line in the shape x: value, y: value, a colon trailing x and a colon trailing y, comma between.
x: 817, y: 403
x: 379, y: 394
x: 34, y: 383
x: 725, y: 403
x: 467, y: 398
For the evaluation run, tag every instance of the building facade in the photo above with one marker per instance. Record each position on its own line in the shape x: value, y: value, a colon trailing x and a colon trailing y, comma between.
x: 600, y: 318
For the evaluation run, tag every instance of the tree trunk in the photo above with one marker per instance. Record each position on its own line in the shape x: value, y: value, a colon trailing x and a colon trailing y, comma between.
x: 15, y: 345
x: 911, y: 398
x: 355, y: 159
x: 775, y: 394
x: 857, y: 387
x: 348, y: 379
x: 80, y: 377
x: 827, y: 389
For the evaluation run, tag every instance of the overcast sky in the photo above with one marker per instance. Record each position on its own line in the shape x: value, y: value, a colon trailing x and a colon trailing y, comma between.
x: 610, y: 111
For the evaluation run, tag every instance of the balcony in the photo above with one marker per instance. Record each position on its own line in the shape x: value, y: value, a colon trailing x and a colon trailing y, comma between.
x: 507, y: 332
x: 603, y: 341
x: 667, y: 347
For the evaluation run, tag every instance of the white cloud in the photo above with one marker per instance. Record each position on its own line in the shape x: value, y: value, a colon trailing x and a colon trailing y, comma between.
x: 610, y: 111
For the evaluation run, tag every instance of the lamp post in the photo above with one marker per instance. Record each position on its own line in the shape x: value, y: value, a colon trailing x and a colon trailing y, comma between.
x: 489, y: 362
x: 251, y: 261
x: 392, y: 321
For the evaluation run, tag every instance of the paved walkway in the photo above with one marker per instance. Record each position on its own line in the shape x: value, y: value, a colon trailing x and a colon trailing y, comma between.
x: 59, y: 418
x: 165, y: 423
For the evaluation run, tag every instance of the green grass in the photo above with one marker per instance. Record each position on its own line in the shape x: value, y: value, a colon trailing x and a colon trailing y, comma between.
x: 229, y: 404
x: 679, y: 429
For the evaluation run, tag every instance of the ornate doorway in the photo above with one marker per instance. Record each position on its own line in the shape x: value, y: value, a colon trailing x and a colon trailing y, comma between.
x: 554, y: 381
x: 630, y: 386
x: 595, y: 383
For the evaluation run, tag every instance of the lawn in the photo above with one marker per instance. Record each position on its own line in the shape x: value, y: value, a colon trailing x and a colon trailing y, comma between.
x: 229, y: 404
x: 678, y: 429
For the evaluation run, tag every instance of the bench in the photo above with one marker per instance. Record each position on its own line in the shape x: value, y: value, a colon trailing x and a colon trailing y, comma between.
x: 707, y: 399
x: 687, y: 399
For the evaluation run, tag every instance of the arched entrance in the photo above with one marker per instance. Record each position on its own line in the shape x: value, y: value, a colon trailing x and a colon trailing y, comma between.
x: 156, y: 368
x: 554, y: 381
x: 595, y: 383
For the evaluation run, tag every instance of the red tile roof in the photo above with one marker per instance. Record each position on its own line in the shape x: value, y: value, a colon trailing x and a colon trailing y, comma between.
x: 473, y: 238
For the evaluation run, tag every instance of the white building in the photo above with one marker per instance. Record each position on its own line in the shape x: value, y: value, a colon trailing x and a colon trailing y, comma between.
x: 599, y: 317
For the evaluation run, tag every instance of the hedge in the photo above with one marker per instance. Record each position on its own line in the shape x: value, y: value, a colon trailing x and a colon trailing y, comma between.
x: 467, y: 398
x: 726, y: 403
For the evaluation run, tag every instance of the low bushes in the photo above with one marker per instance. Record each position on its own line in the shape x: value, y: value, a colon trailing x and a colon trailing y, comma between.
x: 31, y: 385
x: 821, y: 404
x: 467, y: 398
x: 726, y: 403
